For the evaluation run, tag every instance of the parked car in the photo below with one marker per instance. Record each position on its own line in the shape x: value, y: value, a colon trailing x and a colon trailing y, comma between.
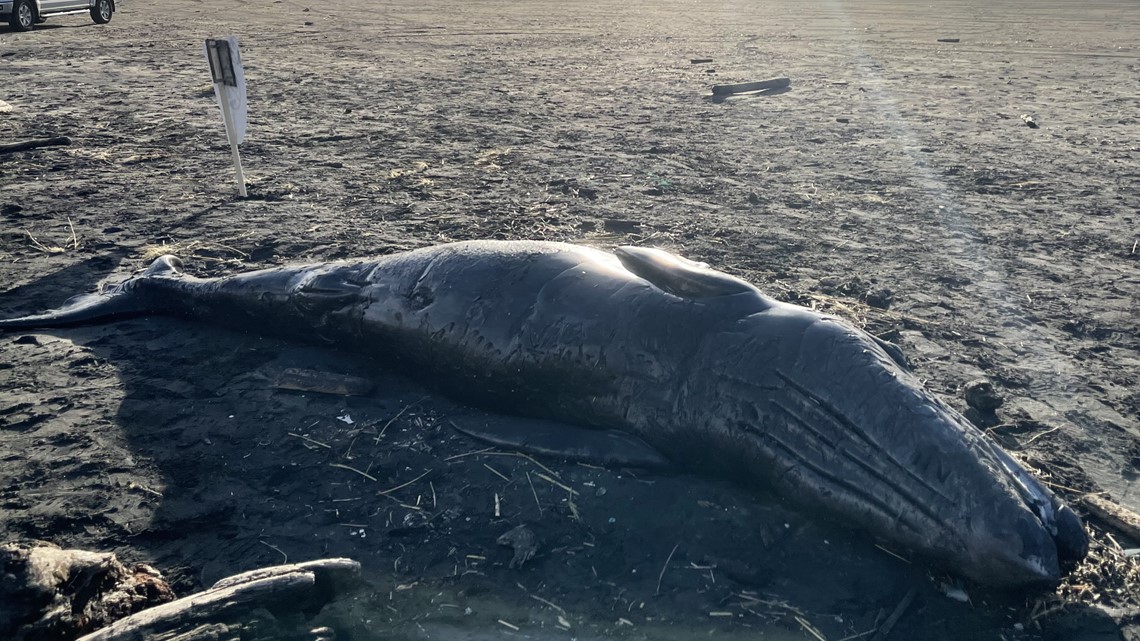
x: 22, y: 15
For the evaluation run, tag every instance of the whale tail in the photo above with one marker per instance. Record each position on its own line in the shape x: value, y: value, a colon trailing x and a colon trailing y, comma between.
x: 114, y: 302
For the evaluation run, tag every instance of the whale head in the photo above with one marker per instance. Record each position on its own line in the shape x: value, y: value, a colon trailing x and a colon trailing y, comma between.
x: 847, y: 431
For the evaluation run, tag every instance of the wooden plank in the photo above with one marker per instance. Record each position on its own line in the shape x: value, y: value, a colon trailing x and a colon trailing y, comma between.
x: 771, y: 83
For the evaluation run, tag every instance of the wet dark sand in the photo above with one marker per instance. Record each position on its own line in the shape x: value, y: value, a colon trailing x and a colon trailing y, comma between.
x: 894, y: 162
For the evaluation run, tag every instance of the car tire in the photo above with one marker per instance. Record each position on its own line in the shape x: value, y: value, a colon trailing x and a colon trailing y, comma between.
x: 102, y: 11
x: 23, y: 16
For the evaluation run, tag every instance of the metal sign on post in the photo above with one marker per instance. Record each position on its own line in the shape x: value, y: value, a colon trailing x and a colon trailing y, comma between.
x: 229, y: 86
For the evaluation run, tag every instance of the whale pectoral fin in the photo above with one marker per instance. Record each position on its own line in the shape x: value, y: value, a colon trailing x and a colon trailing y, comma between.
x: 609, y: 448
x: 679, y: 276
x: 326, y: 291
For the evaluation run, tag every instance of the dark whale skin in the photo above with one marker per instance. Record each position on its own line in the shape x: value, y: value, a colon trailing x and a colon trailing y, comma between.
x: 698, y: 364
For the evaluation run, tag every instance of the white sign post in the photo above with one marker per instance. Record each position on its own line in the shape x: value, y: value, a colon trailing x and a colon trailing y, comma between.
x: 229, y: 86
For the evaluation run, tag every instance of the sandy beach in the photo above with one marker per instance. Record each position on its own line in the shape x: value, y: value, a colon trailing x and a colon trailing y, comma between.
x: 895, y: 182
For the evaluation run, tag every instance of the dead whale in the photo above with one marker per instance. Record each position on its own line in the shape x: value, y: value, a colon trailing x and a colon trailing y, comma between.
x: 646, y: 357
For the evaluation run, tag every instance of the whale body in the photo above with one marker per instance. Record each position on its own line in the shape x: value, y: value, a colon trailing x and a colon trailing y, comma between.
x: 683, y: 363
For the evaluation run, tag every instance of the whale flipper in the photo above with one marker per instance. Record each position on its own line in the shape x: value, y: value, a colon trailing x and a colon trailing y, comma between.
x: 609, y: 448
x: 112, y: 303
x: 679, y: 276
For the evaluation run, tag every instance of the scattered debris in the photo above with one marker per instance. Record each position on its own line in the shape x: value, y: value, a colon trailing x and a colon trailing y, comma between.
x: 664, y: 567
x: 572, y: 187
x: 284, y: 557
x: 35, y: 143
x: 47, y: 249
x: 954, y: 592
x: 353, y: 469
x: 524, y: 542
x: 498, y: 474
x: 195, y: 249
x: 309, y: 380
x: 417, y: 167
x: 981, y: 395
x: 746, y: 87
x: 380, y: 434
x: 138, y: 159
x: 493, y: 159
x: 809, y: 628
x: 310, y: 441
x: 557, y: 607
x: 1029, y: 121
x: 403, y: 485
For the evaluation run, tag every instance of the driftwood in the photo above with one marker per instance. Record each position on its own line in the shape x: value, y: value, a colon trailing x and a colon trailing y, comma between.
x: 25, y: 145
x: 263, y: 604
x: 773, y: 83
x: 1113, y: 515
x: 50, y: 594
x: 308, y: 380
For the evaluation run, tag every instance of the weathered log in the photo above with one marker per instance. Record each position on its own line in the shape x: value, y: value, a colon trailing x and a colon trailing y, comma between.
x: 253, y: 605
x: 1113, y: 515
x: 335, y: 575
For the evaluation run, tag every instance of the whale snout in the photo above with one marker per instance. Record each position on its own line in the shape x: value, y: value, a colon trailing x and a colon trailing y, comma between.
x: 1013, y: 552
x: 1018, y: 533
x: 1064, y: 533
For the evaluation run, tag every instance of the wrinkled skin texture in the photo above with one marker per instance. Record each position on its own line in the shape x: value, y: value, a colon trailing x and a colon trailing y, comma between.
x: 698, y: 364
